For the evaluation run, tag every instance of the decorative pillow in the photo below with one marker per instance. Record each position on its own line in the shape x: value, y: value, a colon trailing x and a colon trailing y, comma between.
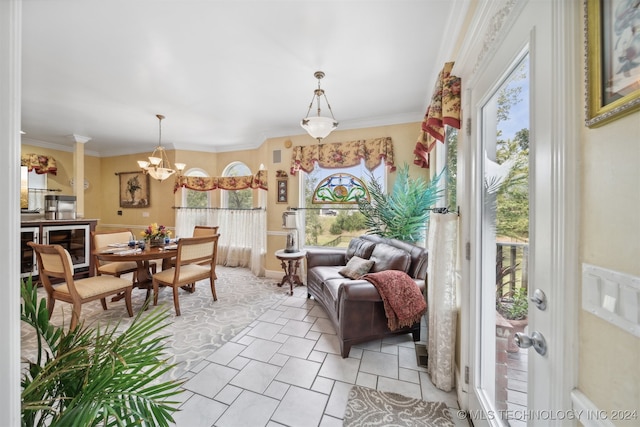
x: 360, y: 248
x: 356, y: 267
x: 387, y: 257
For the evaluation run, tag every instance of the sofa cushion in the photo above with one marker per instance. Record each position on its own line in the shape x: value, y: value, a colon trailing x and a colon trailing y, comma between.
x: 387, y: 257
x: 360, y: 248
x: 324, y: 272
x: 356, y: 267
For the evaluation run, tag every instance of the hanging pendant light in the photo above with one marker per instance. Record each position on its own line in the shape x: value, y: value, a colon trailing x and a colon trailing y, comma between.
x: 317, y: 126
x: 158, y: 165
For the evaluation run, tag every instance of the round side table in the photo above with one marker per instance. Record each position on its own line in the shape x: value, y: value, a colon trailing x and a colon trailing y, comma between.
x: 290, y: 262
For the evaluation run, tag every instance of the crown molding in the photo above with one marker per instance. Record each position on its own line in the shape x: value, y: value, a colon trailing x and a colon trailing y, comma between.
x: 55, y: 146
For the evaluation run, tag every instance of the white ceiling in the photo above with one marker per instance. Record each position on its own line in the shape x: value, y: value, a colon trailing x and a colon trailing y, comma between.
x: 227, y: 74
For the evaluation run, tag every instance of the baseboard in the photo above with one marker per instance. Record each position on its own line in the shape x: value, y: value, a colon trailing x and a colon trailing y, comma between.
x: 461, y: 393
x: 273, y: 274
x: 587, y: 413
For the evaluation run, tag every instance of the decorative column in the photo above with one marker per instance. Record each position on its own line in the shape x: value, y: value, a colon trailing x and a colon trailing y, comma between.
x: 78, y: 172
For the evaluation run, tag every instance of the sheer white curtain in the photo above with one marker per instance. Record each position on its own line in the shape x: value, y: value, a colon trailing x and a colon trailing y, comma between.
x: 243, y: 234
x: 441, y: 299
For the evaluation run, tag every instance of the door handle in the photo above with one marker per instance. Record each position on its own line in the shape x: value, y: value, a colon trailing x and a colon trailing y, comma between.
x: 536, y: 340
x: 539, y: 299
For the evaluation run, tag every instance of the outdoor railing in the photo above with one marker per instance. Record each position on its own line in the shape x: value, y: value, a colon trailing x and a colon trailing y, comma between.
x: 512, y: 259
x: 338, y: 240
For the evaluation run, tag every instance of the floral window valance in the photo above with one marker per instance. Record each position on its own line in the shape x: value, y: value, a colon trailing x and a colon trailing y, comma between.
x: 39, y: 163
x: 444, y: 109
x: 208, y: 183
x: 343, y: 154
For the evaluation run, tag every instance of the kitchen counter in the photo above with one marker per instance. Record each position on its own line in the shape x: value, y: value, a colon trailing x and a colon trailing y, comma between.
x: 27, y: 220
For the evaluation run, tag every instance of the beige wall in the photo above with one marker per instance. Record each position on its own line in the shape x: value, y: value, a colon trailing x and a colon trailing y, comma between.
x: 609, y: 366
x: 102, y: 198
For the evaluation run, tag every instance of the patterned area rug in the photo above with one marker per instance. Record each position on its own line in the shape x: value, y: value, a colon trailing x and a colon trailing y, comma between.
x: 204, y: 324
x: 368, y: 407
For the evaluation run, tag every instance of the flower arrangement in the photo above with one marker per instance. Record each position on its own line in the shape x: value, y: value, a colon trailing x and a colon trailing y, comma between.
x: 155, y: 231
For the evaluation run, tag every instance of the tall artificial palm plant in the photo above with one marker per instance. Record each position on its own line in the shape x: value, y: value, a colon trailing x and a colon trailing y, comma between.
x: 403, y: 213
x: 95, y: 376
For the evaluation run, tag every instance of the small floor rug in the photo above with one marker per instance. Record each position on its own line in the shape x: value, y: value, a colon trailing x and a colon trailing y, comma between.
x: 368, y: 407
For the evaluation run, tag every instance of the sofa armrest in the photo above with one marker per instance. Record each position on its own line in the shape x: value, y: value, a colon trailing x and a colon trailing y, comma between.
x: 362, y: 290
x: 316, y: 256
x: 358, y: 290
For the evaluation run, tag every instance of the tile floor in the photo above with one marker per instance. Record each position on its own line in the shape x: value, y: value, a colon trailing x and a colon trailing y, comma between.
x: 285, y: 369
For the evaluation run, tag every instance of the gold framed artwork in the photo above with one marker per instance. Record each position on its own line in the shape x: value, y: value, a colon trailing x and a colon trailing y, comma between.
x: 134, y: 189
x: 612, y: 63
x: 282, y: 194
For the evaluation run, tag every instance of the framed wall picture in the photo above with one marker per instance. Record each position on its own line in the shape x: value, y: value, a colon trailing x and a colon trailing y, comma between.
x: 283, y: 190
x: 134, y: 190
x: 612, y: 60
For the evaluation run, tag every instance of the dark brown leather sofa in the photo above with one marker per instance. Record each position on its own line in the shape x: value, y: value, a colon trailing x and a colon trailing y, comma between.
x: 355, y: 306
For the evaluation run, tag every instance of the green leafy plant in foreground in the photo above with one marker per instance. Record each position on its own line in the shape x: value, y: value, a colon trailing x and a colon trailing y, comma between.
x: 402, y: 214
x: 95, y: 376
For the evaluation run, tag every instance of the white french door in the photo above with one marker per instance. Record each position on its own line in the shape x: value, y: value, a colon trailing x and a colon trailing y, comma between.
x: 535, y: 41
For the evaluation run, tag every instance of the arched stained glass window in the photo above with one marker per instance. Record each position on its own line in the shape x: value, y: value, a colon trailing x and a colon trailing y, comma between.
x: 330, y: 217
x: 341, y: 188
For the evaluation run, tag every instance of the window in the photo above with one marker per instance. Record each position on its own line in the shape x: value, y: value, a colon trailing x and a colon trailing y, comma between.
x: 451, y: 148
x: 237, y: 199
x: 334, y: 224
x: 33, y: 187
x: 193, y: 198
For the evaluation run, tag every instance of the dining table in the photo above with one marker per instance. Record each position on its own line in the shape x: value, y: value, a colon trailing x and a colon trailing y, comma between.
x: 142, y: 257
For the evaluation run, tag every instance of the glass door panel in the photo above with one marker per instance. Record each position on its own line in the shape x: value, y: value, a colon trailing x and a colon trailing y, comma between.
x: 505, y: 239
x: 74, y: 238
x: 28, y: 264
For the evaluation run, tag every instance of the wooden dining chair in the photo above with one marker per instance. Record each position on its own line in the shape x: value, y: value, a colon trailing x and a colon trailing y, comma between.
x: 102, y: 239
x: 54, y: 262
x: 204, y: 230
x: 195, y: 260
x: 199, y: 231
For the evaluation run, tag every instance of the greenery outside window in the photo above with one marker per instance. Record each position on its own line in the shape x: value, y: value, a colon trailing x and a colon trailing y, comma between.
x: 237, y: 199
x: 334, y: 224
x: 451, y: 181
x: 193, y: 198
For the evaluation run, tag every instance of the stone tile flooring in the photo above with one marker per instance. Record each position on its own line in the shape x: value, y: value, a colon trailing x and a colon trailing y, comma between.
x: 285, y: 369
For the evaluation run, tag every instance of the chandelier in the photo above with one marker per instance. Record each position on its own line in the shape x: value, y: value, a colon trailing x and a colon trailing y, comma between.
x: 317, y: 126
x: 158, y: 165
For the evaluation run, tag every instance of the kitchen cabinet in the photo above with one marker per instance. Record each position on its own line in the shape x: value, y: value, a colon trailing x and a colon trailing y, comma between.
x: 73, y: 235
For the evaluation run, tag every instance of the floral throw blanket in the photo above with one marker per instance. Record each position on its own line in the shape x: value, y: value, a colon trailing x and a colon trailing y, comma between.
x: 404, y: 304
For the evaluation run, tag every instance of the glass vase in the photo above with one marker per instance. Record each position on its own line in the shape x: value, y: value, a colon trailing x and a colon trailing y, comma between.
x: 156, y: 242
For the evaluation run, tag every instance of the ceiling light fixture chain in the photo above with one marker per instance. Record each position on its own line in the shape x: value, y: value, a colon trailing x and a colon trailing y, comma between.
x: 160, y: 119
x: 158, y: 165
x: 319, y: 127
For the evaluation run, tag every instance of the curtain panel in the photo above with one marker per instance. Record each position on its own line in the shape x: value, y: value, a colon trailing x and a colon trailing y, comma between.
x: 441, y: 299
x: 208, y: 183
x: 343, y: 154
x: 243, y: 234
x: 41, y: 164
x: 443, y: 110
